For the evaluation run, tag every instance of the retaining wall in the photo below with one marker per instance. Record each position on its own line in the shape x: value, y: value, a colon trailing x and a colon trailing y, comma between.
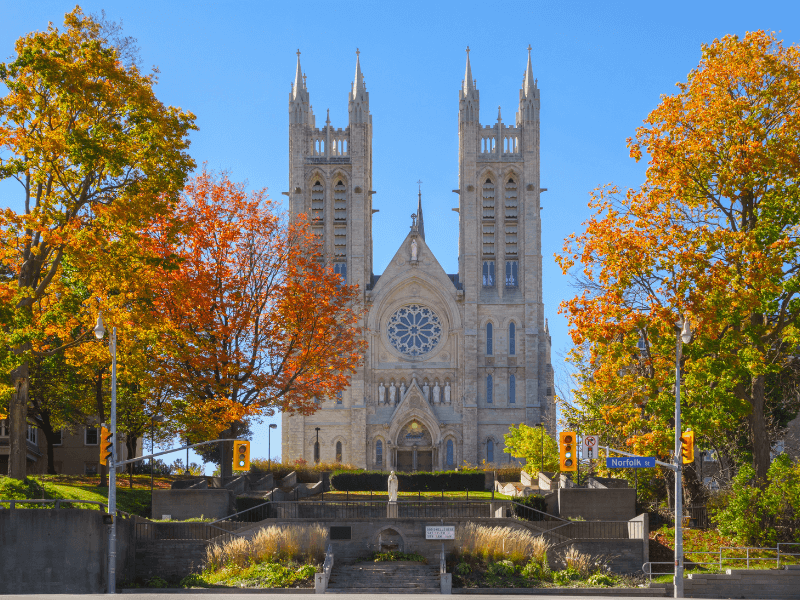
x: 189, y: 504
x: 741, y: 583
x: 597, y: 504
x: 65, y: 551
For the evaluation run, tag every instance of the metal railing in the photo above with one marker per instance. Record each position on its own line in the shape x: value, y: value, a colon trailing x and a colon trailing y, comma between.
x: 321, y: 579
x: 218, y: 530
x: 723, y: 557
x: 567, y: 530
x: 57, y: 502
x: 365, y: 509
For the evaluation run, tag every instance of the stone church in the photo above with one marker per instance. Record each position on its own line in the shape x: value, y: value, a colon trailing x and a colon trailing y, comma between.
x: 454, y: 359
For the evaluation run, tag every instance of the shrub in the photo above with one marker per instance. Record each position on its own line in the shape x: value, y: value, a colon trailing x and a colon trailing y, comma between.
x: 157, y: 582
x: 377, y: 481
x: 535, y: 570
x: 395, y: 555
x: 503, y: 568
x: 536, y: 502
x: 762, y: 516
x: 601, y: 579
x: 566, y: 576
x: 578, y: 561
x: 463, y: 568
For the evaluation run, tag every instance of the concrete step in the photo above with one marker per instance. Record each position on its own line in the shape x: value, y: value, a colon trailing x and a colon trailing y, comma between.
x: 384, y: 578
x: 385, y: 590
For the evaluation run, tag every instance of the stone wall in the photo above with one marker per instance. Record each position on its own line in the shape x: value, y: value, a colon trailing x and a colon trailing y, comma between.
x: 597, y: 505
x: 741, y: 583
x: 169, y: 559
x: 189, y: 504
x: 60, y: 551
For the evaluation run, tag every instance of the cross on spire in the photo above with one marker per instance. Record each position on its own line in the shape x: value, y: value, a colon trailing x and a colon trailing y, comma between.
x: 298, y: 52
x: 358, y: 52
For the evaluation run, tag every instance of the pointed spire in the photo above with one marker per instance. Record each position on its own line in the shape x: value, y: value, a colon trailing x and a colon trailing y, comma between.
x: 328, y: 120
x: 530, y: 83
x: 420, y: 225
x: 299, y: 79
x: 469, y: 83
x: 358, y: 83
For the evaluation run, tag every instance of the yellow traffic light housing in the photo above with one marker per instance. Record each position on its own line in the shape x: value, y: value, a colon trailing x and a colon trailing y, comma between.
x: 567, y: 444
x: 241, y: 455
x: 106, y: 445
x: 687, y: 447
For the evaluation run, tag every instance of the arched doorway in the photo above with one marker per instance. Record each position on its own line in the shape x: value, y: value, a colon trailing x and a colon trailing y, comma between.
x: 414, y: 448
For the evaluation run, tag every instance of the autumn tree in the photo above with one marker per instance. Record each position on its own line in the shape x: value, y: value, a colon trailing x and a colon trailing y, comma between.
x: 254, y: 320
x: 712, y: 235
x: 97, y: 156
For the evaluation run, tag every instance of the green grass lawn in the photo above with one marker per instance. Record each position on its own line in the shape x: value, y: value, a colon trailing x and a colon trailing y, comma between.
x: 136, y: 501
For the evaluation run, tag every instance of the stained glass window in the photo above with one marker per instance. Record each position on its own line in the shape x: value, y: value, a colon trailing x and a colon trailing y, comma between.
x: 414, y: 330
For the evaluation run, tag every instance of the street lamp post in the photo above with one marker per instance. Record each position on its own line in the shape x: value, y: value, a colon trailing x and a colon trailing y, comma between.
x: 269, y: 445
x: 99, y: 333
x: 316, y: 447
x: 684, y: 335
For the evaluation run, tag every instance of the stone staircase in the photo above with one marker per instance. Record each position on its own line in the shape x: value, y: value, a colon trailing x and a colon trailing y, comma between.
x: 399, y: 577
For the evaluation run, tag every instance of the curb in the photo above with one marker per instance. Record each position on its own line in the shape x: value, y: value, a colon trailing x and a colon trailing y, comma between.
x: 220, y: 590
x: 610, y: 591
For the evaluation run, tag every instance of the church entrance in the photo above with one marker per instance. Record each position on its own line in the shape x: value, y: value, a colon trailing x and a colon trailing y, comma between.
x: 424, y: 460
x: 405, y: 461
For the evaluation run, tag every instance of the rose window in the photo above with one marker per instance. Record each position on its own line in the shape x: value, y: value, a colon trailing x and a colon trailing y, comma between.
x: 414, y: 330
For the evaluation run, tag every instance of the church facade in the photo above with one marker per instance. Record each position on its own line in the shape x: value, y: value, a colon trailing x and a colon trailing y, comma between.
x: 453, y: 360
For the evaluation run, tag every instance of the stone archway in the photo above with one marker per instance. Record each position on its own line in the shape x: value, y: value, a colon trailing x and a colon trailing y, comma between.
x: 415, y: 447
x: 389, y: 538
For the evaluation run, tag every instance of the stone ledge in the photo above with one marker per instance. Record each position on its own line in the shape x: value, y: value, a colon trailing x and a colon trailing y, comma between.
x: 631, y: 592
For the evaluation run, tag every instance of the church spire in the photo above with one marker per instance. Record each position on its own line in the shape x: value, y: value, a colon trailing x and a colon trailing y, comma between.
x: 529, y: 84
x: 299, y: 80
x: 469, y: 82
x: 358, y: 85
x: 420, y: 225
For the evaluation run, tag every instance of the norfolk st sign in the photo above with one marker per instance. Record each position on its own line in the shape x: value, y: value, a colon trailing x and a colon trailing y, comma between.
x: 630, y: 462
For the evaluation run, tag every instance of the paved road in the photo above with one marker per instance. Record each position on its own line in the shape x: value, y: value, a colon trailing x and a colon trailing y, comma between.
x: 238, y: 596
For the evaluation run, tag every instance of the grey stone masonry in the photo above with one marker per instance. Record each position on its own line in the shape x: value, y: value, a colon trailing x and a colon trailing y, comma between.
x: 453, y: 359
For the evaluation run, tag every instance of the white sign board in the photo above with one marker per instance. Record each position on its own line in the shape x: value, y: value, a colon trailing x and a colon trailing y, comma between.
x: 591, y: 445
x: 440, y: 532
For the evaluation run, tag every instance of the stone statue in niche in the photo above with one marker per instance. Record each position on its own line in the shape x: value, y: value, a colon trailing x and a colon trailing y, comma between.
x: 426, y: 390
x: 413, y: 249
x: 382, y: 393
x: 402, y: 389
x: 447, y: 392
x: 436, y: 391
x: 392, y: 394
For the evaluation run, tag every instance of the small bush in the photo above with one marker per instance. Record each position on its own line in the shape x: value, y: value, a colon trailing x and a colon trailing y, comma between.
x: 601, y: 580
x: 395, y: 555
x: 193, y: 580
x: 463, y: 568
x: 579, y: 562
x: 566, y: 577
x: 157, y: 582
x: 503, y: 568
x: 535, y: 570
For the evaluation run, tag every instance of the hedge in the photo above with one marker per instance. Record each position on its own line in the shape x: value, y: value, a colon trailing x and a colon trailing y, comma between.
x: 378, y: 481
x: 533, y: 501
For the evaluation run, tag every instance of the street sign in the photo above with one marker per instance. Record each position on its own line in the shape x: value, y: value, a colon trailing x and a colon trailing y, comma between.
x: 631, y: 462
x: 440, y: 532
x: 591, y: 443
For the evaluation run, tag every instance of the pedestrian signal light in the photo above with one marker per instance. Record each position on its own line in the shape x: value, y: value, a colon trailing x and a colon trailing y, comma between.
x: 241, y: 455
x: 567, y: 446
x: 106, y: 445
x: 687, y: 447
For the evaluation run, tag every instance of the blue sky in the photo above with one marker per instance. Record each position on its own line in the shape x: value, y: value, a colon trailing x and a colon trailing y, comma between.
x: 601, y: 66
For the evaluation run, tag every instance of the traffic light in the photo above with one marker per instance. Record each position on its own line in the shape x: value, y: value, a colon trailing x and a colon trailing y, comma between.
x: 106, y: 445
x: 567, y: 446
x: 687, y: 447
x: 241, y: 455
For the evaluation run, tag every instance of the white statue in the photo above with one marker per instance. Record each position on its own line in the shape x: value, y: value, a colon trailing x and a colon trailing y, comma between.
x: 426, y: 390
x: 436, y: 391
x: 447, y: 392
x: 402, y: 389
x: 392, y: 394
x: 382, y: 393
x: 393, y: 485
x: 414, y: 249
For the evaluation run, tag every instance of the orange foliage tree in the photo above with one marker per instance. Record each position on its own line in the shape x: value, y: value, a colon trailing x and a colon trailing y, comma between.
x: 711, y: 235
x: 254, y: 321
x: 97, y: 156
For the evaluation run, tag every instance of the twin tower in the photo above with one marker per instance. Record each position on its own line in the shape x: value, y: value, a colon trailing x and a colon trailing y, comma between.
x: 491, y: 348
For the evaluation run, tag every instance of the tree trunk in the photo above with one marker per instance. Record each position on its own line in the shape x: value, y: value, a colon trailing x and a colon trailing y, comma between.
x: 50, y: 437
x: 226, y: 453
x: 18, y: 421
x: 758, y: 431
x: 101, y: 469
x: 130, y: 444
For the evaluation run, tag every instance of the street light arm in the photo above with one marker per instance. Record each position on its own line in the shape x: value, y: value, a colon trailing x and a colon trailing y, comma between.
x: 140, y: 458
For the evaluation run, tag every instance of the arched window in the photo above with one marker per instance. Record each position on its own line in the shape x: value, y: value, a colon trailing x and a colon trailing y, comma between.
x: 338, y: 452
x: 512, y: 389
x: 490, y: 451
x: 489, y: 389
x: 489, y: 344
x: 512, y: 339
x: 379, y: 453
x: 316, y: 452
x: 450, y: 457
